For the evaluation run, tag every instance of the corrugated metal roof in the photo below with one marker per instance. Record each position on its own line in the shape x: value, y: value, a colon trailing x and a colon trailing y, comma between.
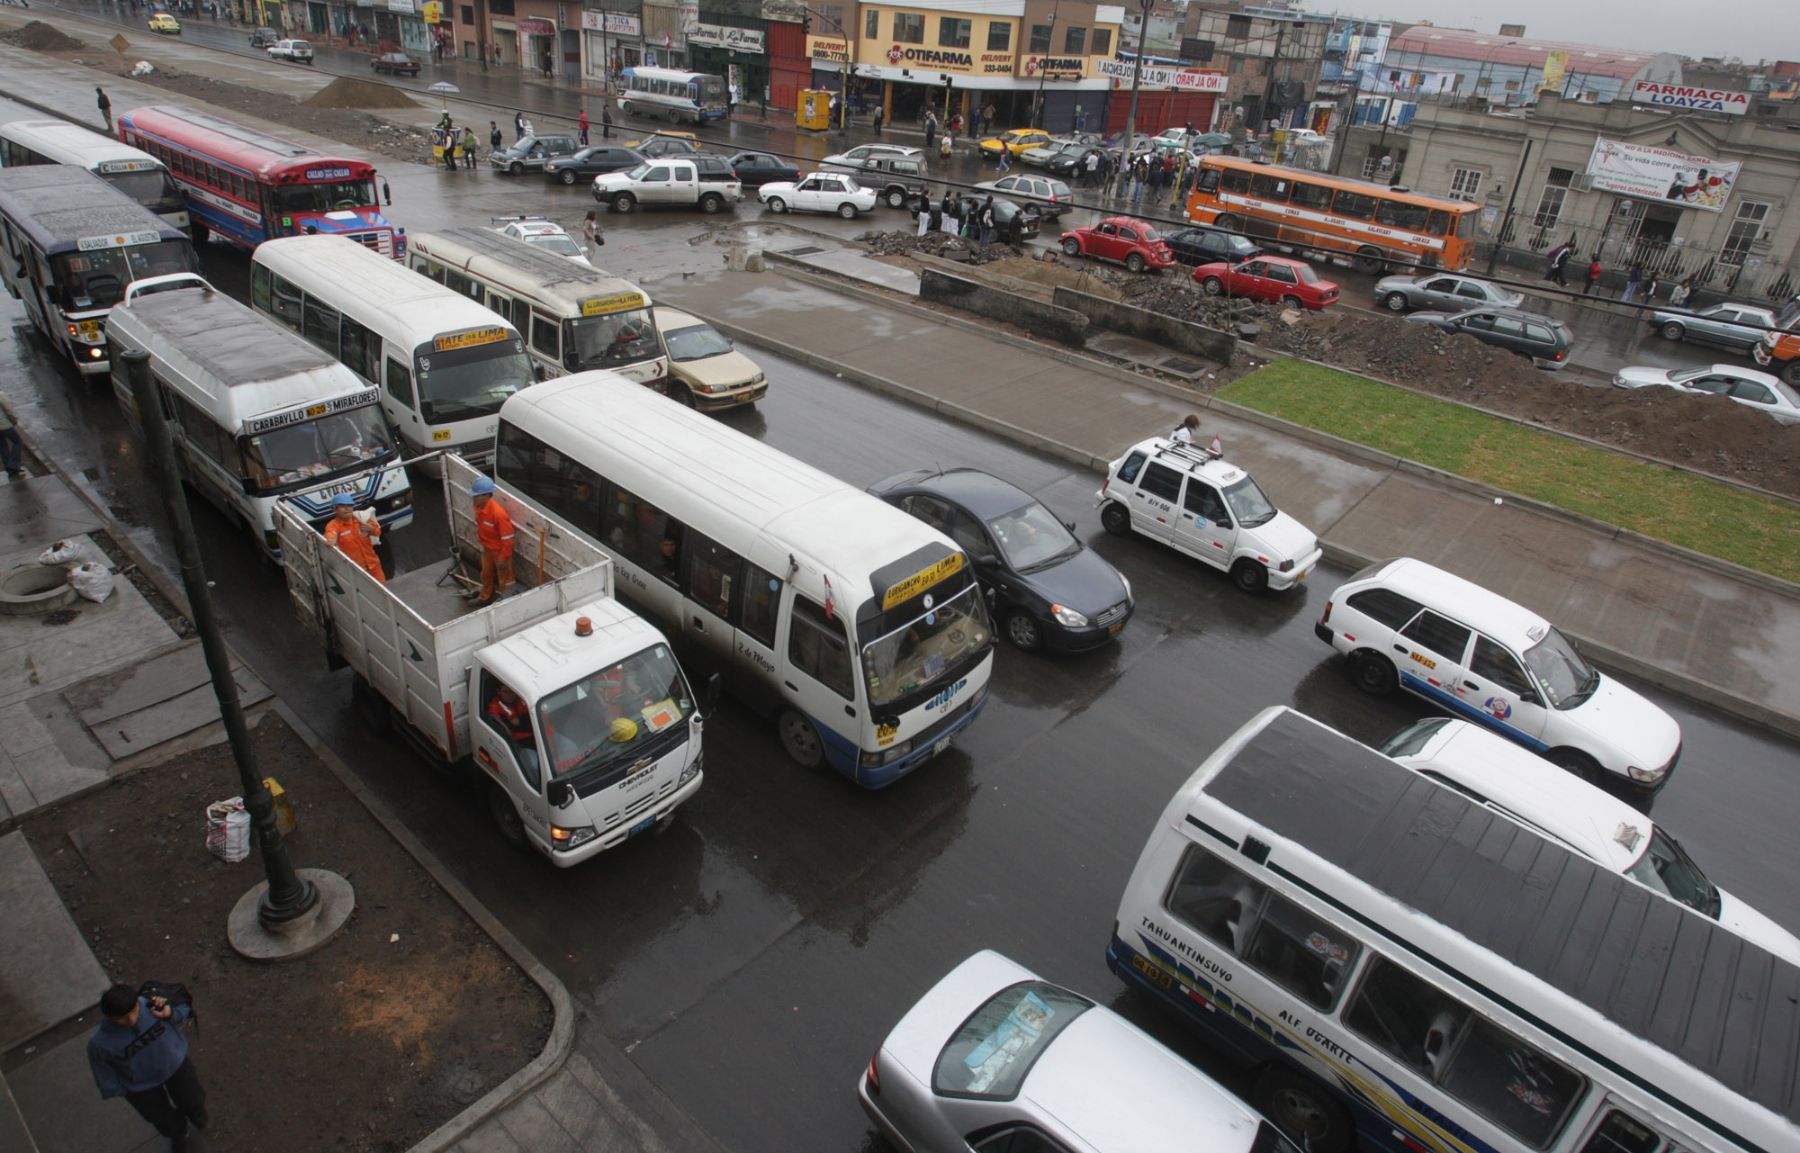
x: 1487, y: 48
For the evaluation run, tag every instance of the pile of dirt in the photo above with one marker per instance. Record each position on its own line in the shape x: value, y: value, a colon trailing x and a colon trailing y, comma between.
x: 898, y: 243
x: 349, y: 92
x: 41, y: 37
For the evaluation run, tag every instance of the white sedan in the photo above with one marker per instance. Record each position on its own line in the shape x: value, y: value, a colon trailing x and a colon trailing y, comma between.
x: 1750, y: 388
x: 820, y: 192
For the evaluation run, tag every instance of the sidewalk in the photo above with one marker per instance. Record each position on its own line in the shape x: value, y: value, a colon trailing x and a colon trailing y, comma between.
x: 1724, y: 639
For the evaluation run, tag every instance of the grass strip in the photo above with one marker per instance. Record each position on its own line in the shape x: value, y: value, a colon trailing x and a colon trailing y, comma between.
x: 1691, y: 511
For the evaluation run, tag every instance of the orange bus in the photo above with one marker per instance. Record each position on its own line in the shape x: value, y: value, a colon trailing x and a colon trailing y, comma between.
x: 1371, y: 224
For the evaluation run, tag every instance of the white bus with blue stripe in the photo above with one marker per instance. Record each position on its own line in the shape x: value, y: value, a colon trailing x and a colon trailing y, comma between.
x: 860, y: 628
x: 1403, y: 969
x: 259, y: 416
x: 691, y: 97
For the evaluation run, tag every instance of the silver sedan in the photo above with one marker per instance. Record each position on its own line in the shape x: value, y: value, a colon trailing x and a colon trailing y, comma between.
x: 1733, y: 326
x: 1750, y: 388
x: 1451, y: 292
x: 994, y: 1058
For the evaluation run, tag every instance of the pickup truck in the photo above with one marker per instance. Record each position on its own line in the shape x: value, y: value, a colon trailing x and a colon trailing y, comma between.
x: 705, y: 182
x: 574, y: 710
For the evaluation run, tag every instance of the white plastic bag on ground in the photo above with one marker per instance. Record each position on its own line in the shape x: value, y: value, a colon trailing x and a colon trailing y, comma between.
x: 62, y: 552
x: 92, y: 581
x: 228, y: 830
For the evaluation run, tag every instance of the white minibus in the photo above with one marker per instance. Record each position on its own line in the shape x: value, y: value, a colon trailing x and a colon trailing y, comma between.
x: 258, y: 415
x: 443, y: 363
x: 574, y: 317
x: 1405, y: 969
x: 132, y: 171
x: 859, y: 627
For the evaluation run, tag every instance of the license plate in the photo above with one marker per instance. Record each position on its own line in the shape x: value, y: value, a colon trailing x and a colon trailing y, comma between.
x: 940, y: 746
x: 641, y: 826
x: 349, y: 486
x: 1113, y: 630
x: 1301, y: 579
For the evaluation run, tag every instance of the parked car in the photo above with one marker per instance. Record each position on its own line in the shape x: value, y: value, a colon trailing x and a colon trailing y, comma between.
x: 897, y: 180
x: 1073, y: 163
x: 1046, y: 588
x: 702, y: 181
x: 1203, y: 244
x: 531, y: 154
x: 1750, y: 388
x: 1014, y: 141
x: 293, y: 51
x: 1041, y: 155
x: 263, y: 37
x: 664, y: 145
x: 709, y: 372
x: 586, y: 163
x: 993, y: 1058
x: 820, y: 192
x: 856, y: 159
x: 1272, y: 279
x: 164, y: 24
x: 1122, y: 240
x: 755, y: 169
x: 395, y: 64
x: 1545, y: 341
x: 545, y: 234
x: 1052, y: 197
x: 643, y: 144
x: 1738, y: 327
x: 1444, y: 291
x: 1522, y: 786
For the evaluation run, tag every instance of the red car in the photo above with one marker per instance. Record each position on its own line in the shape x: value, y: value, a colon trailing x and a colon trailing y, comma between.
x: 1121, y: 240
x: 1275, y: 279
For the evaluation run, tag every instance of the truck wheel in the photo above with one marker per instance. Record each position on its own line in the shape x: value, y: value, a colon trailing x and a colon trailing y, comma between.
x: 1115, y: 518
x: 800, y: 739
x: 896, y: 198
x: 847, y: 210
x: 712, y: 204
x: 623, y: 203
x: 506, y: 817
x: 1301, y: 1108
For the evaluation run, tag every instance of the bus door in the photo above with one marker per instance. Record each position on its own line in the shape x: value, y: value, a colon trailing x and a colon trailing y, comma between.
x: 817, y: 671
x: 729, y: 607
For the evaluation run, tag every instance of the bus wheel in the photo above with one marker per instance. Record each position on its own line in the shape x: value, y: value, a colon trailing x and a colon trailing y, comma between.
x: 623, y: 203
x: 1369, y: 259
x: 800, y: 739
x: 506, y: 817
x: 1303, y: 1109
x: 1229, y: 222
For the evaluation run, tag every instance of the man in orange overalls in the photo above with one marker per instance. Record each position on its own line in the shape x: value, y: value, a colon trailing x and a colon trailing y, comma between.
x: 494, y: 529
x: 354, y: 538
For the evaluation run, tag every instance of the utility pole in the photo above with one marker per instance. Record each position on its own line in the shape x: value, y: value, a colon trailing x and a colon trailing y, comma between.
x: 1506, y: 220
x: 1337, y: 155
x: 1137, y: 75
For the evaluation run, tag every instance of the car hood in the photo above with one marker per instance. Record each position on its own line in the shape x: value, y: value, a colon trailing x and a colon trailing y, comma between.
x: 1757, y: 929
x: 1085, y: 582
x: 1394, y: 284
x: 726, y: 370
x: 1626, y: 720
x: 613, y: 180
x: 775, y: 186
x: 1437, y: 318
x: 1642, y: 376
x: 1283, y: 538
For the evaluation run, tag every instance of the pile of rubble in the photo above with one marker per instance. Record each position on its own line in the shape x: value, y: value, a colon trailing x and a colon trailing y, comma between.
x: 41, y: 37
x: 897, y: 243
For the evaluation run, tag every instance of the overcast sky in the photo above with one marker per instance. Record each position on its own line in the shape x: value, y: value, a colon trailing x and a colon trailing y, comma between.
x: 1752, y: 29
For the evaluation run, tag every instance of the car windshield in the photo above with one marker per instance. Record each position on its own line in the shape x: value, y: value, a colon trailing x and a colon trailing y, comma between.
x: 695, y: 343
x: 617, y: 715
x: 1150, y: 235
x: 1408, y: 741
x: 609, y: 341
x: 331, y: 196
x: 1248, y: 504
x: 1032, y: 538
x: 1666, y: 867
x: 1682, y: 375
x: 923, y: 651
x: 990, y: 1055
x: 318, y: 448
x: 97, y: 278
x: 469, y: 382
x: 1305, y: 273
x: 557, y: 242
x: 1560, y: 672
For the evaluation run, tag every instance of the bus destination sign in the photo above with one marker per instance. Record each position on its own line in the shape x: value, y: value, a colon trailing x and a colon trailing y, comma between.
x: 328, y: 174
x: 117, y: 240
x: 471, y: 338
x: 312, y: 411
x: 617, y: 302
x: 917, y: 583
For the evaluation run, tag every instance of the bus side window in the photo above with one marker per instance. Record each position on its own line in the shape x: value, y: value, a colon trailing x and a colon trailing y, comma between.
x: 1235, y: 180
x: 321, y: 325
x: 501, y: 305
x: 818, y: 648
x: 1622, y: 1133
x: 285, y: 305
x: 713, y: 575
x: 760, y: 603
x: 399, y: 382
x: 1209, y: 180
x: 259, y: 286
x: 1213, y: 898
x: 1267, y: 187
x: 1437, y: 223
x: 362, y: 350
x: 1355, y: 205
x: 1312, y: 196
x: 544, y: 336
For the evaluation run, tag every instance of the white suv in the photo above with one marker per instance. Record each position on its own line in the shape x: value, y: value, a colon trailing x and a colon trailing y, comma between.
x: 1191, y: 500
x: 299, y: 51
x: 1404, y: 623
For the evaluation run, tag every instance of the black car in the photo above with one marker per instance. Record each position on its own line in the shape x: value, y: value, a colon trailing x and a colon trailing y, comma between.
x: 755, y: 169
x: 1072, y: 164
x: 1202, y: 245
x: 1046, y: 588
x: 587, y: 163
x: 263, y: 37
x: 1544, y: 340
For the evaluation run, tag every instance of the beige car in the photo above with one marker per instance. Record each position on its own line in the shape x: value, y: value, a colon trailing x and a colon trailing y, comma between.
x: 705, y: 370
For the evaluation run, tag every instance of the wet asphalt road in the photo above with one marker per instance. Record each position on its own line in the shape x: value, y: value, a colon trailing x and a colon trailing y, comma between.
x: 745, y: 963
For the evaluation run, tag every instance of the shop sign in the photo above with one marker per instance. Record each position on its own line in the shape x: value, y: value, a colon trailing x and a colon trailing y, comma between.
x: 828, y: 48
x: 1654, y: 173
x: 432, y: 11
x: 1158, y: 76
x: 535, y: 27
x: 401, y: 6
x: 721, y: 36
x: 1054, y: 67
x: 1693, y: 99
x: 612, y: 23
x: 961, y: 63
x: 784, y: 11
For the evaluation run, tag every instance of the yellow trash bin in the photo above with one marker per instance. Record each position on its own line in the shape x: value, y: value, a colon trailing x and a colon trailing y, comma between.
x: 813, y: 110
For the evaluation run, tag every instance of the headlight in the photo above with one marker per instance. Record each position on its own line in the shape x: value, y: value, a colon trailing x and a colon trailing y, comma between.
x: 886, y: 756
x: 1645, y: 775
x: 1068, y: 618
x: 757, y: 379
x: 1127, y: 584
x: 562, y: 840
x: 692, y: 770
x: 1287, y: 565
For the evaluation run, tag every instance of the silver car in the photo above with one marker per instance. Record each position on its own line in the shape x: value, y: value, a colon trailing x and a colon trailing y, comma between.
x: 994, y: 1058
x: 1052, y: 196
x: 1448, y: 292
x: 1750, y: 388
x: 1734, y: 326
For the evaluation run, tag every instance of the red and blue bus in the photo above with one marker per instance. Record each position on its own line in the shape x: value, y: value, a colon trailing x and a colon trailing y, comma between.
x: 248, y: 186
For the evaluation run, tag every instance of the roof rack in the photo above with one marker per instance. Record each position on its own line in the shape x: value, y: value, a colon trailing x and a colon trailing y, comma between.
x: 1192, y: 453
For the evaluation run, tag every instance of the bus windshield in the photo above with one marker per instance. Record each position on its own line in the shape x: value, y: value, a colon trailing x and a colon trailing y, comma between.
x: 331, y: 196
x: 710, y: 91
x: 617, y: 715
x: 317, y: 449
x: 469, y: 382
x: 153, y: 188
x: 609, y: 341
x: 918, y: 654
x: 97, y: 278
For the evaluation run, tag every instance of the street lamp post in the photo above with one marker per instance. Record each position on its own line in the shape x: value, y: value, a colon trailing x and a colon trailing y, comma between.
x: 1137, y: 76
x: 843, y: 76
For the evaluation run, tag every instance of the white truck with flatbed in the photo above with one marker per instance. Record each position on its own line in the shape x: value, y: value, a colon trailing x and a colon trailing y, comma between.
x: 572, y: 708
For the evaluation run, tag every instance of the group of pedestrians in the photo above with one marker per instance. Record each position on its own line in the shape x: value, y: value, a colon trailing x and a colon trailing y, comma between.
x: 457, y: 143
x: 968, y: 217
x: 1640, y: 283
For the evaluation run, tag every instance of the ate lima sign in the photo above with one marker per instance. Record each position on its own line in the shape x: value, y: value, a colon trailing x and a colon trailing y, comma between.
x: 1696, y: 99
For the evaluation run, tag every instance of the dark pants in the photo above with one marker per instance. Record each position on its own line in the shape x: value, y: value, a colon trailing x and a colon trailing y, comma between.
x: 173, y: 1104
x: 11, y: 450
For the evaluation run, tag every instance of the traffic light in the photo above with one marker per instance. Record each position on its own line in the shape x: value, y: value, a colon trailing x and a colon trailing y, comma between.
x: 946, y: 82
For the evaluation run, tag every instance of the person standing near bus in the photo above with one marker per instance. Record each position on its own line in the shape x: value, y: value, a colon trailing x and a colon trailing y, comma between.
x: 494, y: 528
x: 354, y: 536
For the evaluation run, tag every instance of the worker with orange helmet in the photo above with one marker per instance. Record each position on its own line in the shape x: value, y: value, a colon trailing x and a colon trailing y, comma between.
x: 494, y: 529
x: 354, y: 536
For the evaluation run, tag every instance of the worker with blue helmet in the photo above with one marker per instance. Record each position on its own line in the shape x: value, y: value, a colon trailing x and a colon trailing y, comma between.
x: 354, y: 536
x: 494, y: 528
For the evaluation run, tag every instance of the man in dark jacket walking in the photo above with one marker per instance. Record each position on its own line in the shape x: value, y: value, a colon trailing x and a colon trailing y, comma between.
x: 140, y: 1053
x: 1559, y: 262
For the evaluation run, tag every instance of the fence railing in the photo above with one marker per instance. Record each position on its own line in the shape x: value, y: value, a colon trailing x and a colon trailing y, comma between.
x: 1739, y: 274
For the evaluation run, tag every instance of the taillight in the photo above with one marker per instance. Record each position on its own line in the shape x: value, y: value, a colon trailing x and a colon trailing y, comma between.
x: 1560, y: 353
x: 1326, y: 619
x: 873, y: 1077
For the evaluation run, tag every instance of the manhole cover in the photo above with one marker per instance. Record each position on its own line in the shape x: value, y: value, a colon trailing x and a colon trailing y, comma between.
x: 807, y: 251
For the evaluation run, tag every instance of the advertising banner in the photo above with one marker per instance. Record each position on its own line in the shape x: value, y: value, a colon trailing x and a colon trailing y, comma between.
x: 1694, y: 99
x: 1556, y: 67
x: 612, y: 23
x: 1653, y: 173
x: 828, y: 48
x: 1161, y: 76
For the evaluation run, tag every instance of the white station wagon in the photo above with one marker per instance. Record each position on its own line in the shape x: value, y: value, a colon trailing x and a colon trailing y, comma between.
x: 1191, y: 500
x: 1406, y: 624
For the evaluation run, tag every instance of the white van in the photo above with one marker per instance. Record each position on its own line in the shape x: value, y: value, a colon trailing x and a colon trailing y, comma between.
x: 1492, y: 771
x: 1190, y: 499
x: 1406, y: 624
x: 258, y: 415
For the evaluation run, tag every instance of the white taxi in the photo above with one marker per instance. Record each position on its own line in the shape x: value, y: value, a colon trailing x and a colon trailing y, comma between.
x: 1192, y: 500
x: 1406, y: 624
x: 820, y: 192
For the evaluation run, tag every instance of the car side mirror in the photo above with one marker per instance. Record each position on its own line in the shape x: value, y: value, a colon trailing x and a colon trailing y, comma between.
x: 561, y: 794
x: 387, y: 195
x: 987, y: 560
x: 248, y: 484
